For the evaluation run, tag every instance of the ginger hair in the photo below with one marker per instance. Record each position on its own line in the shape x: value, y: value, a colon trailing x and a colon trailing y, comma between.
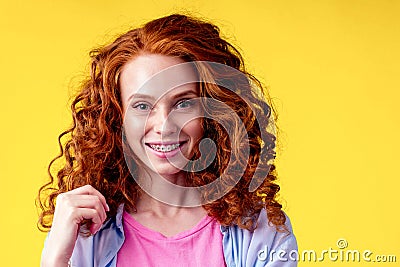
x: 91, y: 150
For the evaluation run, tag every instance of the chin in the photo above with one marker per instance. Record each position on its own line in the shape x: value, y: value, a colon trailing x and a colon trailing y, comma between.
x: 167, y: 170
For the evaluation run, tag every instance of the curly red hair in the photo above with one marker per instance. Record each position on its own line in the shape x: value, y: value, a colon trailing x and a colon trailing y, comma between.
x: 92, y: 148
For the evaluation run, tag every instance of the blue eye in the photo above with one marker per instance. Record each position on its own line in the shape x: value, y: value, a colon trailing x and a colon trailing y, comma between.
x: 142, y: 107
x: 186, y: 103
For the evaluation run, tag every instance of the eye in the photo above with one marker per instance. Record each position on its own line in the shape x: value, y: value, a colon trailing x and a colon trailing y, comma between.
x: 185, y: 103
x: 141, y: 106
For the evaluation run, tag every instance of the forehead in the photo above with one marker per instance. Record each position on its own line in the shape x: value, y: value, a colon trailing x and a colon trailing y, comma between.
x: 156, y: 75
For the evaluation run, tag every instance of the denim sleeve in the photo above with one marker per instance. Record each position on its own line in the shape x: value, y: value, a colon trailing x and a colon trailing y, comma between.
x: 265, y: 246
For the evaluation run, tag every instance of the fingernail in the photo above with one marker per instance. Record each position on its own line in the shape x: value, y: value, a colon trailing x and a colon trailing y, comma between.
x: 107, y: 207
x: 93, y: 230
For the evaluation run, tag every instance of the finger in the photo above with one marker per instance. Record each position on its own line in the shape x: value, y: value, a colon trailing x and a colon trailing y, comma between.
x: 90, y: 190
x: 90, y: 214
x: 86, y: 201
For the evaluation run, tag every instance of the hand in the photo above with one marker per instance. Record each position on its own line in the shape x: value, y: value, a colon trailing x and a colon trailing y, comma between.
x: 83, y: 203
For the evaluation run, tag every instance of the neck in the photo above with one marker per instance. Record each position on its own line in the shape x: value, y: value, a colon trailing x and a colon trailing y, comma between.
x: 147, y: 204
x: 167, y: 192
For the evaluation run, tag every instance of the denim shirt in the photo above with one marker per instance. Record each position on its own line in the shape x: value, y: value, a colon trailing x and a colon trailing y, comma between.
x: 242, y: 248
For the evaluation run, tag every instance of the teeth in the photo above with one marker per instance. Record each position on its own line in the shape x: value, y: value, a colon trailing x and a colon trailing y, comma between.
x: 164, y: 148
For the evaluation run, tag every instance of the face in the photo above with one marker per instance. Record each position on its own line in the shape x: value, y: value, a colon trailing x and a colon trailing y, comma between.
x: 162, y: 113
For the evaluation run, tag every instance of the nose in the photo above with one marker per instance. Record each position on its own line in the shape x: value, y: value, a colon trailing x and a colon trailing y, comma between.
x: 162, y: 122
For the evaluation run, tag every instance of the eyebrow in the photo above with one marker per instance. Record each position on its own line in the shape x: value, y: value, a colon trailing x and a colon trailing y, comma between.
x: 140, y: 96
x: 143, y: 96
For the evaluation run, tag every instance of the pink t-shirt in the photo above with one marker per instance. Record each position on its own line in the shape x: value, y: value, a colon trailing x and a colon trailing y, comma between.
x: 199, y: 246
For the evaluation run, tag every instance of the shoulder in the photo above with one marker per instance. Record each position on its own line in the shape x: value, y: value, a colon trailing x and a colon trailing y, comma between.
x: 257, y: 248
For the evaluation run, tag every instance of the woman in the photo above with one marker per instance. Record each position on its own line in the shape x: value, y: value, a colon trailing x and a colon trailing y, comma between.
x: 171, y: 137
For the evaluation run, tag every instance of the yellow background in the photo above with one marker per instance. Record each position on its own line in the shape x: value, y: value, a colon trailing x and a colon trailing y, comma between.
x: 332, y: 68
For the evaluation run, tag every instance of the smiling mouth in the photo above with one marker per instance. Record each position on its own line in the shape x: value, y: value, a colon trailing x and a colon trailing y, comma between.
x: 164, y: 148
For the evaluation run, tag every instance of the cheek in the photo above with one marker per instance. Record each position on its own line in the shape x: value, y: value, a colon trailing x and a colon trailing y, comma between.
x: 134, y: 130
x: 194, y: 129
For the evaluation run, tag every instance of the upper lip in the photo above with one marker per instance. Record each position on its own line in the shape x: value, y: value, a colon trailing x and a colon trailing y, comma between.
x: 165, y: 143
